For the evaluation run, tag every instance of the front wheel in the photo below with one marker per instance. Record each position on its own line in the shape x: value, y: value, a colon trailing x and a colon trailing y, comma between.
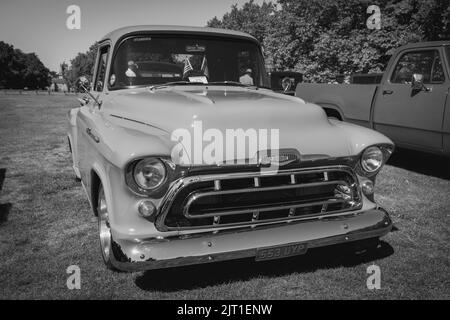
x: 104, y: 228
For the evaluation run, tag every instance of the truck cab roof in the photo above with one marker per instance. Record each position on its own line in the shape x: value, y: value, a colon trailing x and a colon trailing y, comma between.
x: 117, y: 34
x: 424, y: 44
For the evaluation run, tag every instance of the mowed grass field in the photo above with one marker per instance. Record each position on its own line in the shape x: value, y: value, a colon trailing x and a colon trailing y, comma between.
x: 46, y: 225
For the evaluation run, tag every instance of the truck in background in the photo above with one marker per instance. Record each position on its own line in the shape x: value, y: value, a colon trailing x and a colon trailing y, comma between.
x: 409, y: 104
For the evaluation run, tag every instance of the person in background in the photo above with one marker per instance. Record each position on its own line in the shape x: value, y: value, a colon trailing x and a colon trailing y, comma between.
x: 132, y: 69
x: 246, y: 78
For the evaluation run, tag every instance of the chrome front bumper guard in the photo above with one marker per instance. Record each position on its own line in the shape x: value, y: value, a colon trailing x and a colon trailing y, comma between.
x: 139, y: 255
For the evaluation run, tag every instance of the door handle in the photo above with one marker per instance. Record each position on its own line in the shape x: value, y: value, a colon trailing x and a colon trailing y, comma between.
x: 388, y: 91
x: 90, y: 134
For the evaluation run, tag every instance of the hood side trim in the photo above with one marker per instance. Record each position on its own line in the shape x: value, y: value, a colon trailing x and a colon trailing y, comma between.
x: 137, y: 121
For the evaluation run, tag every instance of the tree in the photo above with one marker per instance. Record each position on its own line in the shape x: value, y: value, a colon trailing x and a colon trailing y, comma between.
x: 81, y: 65
x: 19, y: 69
x: 6, y: 57
x: 251, y: 18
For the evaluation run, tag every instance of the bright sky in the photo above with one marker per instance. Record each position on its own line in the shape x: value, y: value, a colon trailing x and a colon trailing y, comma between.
x: 40, y: 25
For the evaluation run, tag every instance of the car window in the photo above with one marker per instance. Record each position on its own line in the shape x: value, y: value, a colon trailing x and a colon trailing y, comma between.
x: 437, y: 74
x: 420, y: 62
x: 101, y: 70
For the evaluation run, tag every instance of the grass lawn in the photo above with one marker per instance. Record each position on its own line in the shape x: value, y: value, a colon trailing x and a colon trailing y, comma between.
x: 46, y: 225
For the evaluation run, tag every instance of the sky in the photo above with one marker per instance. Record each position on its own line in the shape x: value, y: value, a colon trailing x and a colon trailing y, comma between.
x: 40, y: 25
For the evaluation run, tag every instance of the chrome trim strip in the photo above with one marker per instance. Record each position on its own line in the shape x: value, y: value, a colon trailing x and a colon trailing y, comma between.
x: 293, y: 179
x: 93, y: 136
x: 201, y: 194
x: 268, y: 222
x: 217, y: 185
x: 137, y: 121
x: 268, y: 208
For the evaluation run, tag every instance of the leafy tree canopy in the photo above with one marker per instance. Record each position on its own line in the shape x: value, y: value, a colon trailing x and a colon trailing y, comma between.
x: 19, y: 70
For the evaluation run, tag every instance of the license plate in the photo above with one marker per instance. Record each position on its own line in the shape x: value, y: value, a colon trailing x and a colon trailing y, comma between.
x: 282, y: 251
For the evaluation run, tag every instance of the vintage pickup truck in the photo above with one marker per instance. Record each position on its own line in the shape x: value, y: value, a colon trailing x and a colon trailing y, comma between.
x: 160, y: 204
x: 410, y: 105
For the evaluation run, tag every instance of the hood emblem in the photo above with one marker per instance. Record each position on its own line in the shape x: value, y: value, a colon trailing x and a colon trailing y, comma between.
x: 280, y: 157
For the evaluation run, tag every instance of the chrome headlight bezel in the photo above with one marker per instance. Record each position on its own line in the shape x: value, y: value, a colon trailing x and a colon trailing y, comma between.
x: 140, y: 172
x: 160, y: 188
x: 372, y: 159
x: 385, y: 150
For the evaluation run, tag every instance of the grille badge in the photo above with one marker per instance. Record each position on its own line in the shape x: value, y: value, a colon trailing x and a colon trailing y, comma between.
x: 280, y: 157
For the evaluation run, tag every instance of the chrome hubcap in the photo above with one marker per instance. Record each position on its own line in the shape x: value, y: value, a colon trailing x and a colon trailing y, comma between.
x: 103, y: 225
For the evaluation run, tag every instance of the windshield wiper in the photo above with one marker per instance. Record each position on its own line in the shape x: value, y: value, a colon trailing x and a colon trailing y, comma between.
x: 174, y: 83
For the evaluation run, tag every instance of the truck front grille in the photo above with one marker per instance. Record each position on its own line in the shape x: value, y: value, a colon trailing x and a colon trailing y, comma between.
x: 215, y: 201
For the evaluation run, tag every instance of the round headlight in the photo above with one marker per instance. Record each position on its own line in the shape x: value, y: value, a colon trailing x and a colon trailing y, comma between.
x: 149, y: 173
x: 372, y: 159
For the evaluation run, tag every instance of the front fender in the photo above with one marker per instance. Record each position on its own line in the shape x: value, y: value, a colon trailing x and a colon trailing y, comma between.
x: 119, y: 145
x: 359, y: 137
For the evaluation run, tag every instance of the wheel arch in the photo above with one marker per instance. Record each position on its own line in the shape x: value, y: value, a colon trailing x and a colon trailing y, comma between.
x: 98, y: 177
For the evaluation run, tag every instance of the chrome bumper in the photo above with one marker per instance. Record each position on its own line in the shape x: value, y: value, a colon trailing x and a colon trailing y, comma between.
x: 141, y: 255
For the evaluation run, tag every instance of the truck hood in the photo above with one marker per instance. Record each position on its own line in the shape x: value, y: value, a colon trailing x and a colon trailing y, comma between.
x: 301, y: 126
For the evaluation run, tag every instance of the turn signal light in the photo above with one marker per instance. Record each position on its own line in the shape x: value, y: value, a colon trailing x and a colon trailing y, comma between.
x: 146, y: 209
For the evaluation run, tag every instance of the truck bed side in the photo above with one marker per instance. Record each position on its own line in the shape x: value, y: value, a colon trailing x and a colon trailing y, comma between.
x: 352, y: 101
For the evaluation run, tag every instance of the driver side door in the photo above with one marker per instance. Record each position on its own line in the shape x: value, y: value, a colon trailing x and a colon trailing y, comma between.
x: 89, y: 115
x: 413, y: 118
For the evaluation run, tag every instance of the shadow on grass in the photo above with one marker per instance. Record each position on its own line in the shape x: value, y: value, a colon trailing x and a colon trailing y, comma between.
x: 4, y: 212
x: 4, y: 207
x: 2, y: 177
x: 204, y: 275
x: 420, y: 162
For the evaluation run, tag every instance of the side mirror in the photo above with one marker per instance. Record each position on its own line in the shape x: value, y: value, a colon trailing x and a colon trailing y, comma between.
x: 84, y: 85
x: 417, y: 82
x: 285, y: 81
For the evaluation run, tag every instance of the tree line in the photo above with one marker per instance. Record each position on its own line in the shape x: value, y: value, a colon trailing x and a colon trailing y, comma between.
x: 20, y: 70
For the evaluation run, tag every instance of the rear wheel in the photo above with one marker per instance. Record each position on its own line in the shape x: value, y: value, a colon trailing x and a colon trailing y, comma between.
x: 104, y: 228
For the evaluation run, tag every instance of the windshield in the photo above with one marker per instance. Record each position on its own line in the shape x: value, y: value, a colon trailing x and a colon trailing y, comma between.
x: 160, y: 59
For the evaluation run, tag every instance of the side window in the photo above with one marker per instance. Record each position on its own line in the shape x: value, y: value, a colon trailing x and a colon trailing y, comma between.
x: 447, y: 51
x: 414, y: 62
x: 437, y: 74
x: 101, y: 70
